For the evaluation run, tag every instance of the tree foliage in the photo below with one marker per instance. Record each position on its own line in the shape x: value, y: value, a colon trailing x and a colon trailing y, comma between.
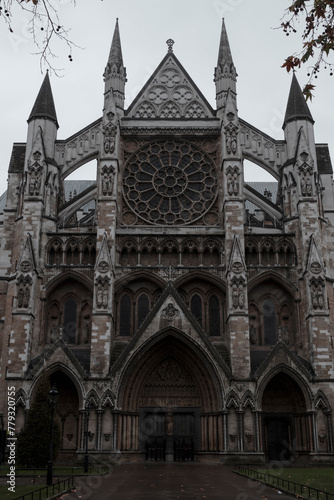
x: 44, y: 25
x: 317, y: 22
x: 33, y: 442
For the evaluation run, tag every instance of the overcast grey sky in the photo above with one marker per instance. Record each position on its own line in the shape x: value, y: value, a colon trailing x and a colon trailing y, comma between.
x: 258, y: 51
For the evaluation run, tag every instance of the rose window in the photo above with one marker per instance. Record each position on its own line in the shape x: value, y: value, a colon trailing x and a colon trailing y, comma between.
x: 170, y: 182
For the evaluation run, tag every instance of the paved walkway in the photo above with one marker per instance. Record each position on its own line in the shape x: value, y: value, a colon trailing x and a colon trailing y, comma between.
x: 172, y: 482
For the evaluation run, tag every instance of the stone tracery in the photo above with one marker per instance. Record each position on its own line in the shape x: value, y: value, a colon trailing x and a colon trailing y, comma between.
x: 169, y: 182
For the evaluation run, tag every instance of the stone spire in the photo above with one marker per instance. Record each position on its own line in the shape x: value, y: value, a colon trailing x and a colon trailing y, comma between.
x: 115, y: 72
x: 297, y: 116
x: 225, y: 75
x: 297, y: 108
x: 44, y: 107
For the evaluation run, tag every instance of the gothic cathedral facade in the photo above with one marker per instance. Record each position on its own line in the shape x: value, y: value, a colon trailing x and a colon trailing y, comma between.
x: 189, y: 309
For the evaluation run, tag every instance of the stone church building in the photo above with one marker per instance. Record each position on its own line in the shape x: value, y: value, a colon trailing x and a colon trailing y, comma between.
x: 190, y: 310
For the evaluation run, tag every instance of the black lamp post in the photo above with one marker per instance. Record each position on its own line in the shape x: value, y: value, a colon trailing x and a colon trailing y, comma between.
x: 53, y: 396
x: 1, y: 437
x: 87, y: 415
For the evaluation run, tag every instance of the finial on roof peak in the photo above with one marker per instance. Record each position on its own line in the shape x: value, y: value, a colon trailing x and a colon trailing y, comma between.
x: 170, y: 44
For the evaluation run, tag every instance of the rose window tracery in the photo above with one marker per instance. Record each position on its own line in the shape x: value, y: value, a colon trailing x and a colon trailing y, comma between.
x: 170, y: 182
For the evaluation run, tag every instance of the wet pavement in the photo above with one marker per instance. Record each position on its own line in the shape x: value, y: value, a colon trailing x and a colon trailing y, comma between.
x: 171, y: 481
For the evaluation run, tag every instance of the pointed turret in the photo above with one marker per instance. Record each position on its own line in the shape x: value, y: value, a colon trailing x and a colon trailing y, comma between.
x: 115, y: 72
x: 44, y: 106
x: 298, y: 115
x: 225, y: 75
x: 297, y: 108
x: 43, y: 118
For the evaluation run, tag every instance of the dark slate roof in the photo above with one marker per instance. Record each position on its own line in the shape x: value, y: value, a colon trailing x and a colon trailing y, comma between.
x: 44, y: 106
x: 83, y: 356
x: 74, y: 188
x: 261, y: 187
x: 323, y: 159
x: 257, y: 358
x: 296, y: 107
x: 3, y: 199
x: 307, y: 365
x: 16, y: 162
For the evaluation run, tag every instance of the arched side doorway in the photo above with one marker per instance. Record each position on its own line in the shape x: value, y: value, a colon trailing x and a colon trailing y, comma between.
x: 170, y: 399
x: 67, y: 413
x: 286, y: 424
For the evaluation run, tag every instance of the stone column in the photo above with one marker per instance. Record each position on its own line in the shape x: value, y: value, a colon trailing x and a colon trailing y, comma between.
x: 99, y: 418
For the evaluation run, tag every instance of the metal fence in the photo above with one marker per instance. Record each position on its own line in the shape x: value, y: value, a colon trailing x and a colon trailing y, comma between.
x: 300, y: 490
x: 49, y: 491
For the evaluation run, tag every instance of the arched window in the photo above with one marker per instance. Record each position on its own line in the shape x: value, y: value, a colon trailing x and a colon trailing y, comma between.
x: 143, y: 308
x: 72, y: 253
x: 55, y: 255
x: 52, y: 257
x: 70, y: 321
x: 214, y: 315
x: 89, y: 254
x: 125, y: 315
x: 196, y: 307
x: 269, y: 322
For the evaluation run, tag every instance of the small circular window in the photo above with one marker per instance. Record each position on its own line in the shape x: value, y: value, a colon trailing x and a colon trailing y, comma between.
x: 170, y: 182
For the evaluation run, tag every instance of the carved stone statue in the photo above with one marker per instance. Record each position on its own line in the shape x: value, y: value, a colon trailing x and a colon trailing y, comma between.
x: 170, y: 423
x: 26, y: 297
x: 105, y: 297
x: 20, y: 295
x: 235, y: 298
x: 314, y: 298
x: 170, y: 312
x: 85, y: 336
x: 303, y: 185
x: 107, y: 181
x: 320, y: 299
x: 241, y: 299
x: 109, y: 137
x: 253, y: 335
x: 230, y: 186
x: 236, y: 184
x: 99, y: 296
x: 308, y: 187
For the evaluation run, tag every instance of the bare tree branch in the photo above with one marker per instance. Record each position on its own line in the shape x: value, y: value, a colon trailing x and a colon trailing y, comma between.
x: 44, y: 26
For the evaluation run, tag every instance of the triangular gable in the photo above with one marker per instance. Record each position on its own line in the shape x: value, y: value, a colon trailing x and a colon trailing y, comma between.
x: 302, y: 154
x: 314, y: 261
x: 170, y: 93
x: 103, y: 261
x: 282, y: 355
x: 58, y: 352
x: 169, y: 312
x: 26, y: 261
x: 237, y: 263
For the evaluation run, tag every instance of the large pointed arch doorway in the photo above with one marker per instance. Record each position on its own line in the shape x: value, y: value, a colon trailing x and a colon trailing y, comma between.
x: 286, y: 423
x: 168, y: 400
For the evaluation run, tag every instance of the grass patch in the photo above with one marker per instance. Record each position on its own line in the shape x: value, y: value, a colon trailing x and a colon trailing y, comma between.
x: 301, y: 482
x: 321, y: 479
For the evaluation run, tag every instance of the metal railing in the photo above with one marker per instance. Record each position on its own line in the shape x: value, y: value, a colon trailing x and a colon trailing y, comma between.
x: 48, y: 491
x: 36, y: 472
x: 300, y: 490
